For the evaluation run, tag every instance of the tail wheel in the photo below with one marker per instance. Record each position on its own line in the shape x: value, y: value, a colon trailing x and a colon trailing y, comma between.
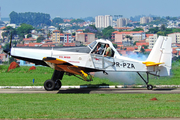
x: 149, y: 87
x: 58, y: 84
x: 49, y: 85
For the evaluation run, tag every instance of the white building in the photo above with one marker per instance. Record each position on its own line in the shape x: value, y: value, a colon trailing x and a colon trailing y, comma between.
x: 152, y: 40
x: 11, y: 25
x: 145, y: 20
x: 103, y: 21
x: 121, y: 22
x: 175, y: 37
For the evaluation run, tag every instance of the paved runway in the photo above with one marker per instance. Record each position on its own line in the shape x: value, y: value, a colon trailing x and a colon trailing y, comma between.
x: 97, y: 91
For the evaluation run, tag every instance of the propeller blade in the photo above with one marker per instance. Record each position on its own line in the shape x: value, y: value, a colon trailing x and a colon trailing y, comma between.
x: 10, y: 40
x: 8, y: 50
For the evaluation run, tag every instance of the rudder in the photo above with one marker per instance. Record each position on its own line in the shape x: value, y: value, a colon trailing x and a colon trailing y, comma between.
x: 162, y: 53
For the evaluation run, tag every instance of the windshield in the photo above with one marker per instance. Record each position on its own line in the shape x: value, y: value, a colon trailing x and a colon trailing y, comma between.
x: 91, y: 45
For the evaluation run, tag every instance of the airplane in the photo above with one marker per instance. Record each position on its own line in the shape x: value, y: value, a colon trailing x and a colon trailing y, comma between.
x: 81, y: 61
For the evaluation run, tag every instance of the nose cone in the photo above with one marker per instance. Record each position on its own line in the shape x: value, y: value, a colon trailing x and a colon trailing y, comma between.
x: 7, y: 51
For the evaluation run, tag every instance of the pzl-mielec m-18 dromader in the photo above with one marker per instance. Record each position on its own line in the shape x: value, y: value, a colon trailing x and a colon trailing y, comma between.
x: 81, y: 61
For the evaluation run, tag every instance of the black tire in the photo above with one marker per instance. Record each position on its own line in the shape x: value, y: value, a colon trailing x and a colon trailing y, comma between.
x: 49, y: 85
x: 149, y: 87
x: 58, y: 85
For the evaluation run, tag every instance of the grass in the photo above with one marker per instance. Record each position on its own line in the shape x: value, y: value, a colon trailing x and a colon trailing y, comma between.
x: 24, y: 106
x: 23, y: 77
x: 51, y: 106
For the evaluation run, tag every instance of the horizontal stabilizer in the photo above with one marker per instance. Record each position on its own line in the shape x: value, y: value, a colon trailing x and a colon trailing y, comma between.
x: 149, y: 63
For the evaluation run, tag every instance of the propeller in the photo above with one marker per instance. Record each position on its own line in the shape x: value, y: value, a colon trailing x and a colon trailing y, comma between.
x: 8, y: 50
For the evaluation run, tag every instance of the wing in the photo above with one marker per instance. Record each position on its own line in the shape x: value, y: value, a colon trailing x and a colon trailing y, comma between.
x: 62, y: 65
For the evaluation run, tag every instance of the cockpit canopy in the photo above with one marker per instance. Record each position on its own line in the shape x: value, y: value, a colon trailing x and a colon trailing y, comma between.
x: 102, y: 42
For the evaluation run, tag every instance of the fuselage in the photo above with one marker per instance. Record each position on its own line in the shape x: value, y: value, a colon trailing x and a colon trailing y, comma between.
x: 81, y: 56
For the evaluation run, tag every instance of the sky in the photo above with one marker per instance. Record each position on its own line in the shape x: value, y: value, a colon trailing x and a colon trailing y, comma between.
x: 92, y: 8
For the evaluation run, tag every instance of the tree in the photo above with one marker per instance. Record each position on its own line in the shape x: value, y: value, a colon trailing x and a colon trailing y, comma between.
x: 76, y: 21
x: 40, y: 39
x: 107, y: 32
x: 24, y: 29
x: 10, y: 30
x: 56, y: 21
x: 153, y: 30
x: 138, y: 29
x: 91, y: 29
x: 142, y: 50
x: 115, y: 45
x: 135, y: 43
x: 32, y: 18
x: 145, y: 46
x: 29, y: 35
x: 161, y: 33
x: 6, y: 46
x: 73, y: 34
x: 162, y: 28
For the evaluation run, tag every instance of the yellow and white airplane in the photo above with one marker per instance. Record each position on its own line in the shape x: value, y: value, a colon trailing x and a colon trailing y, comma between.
x: 80, y: 61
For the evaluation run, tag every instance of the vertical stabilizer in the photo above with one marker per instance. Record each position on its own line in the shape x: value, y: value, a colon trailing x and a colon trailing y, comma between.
x: 162, y: 53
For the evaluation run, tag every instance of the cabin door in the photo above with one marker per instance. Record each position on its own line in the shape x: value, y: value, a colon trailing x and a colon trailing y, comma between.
x: 101, y: 62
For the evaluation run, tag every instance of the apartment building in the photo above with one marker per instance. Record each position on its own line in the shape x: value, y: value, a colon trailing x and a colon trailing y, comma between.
x: 145, y: 20
x: 121, y: 36
x: 56, y: 36
x: 68, y: 38
x: 121, y: 22
x: 151, y: 38
x: 85, y: 38
x: 175, y: 37
x: 61, y: 38
x: 103, y: 21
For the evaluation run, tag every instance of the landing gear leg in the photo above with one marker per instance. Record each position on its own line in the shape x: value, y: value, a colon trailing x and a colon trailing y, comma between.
x: 149, y: 86
x: 54, y: 83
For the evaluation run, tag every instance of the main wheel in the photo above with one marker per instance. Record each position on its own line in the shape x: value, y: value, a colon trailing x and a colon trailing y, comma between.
x: 58, y: 84
x: 49, y: 85
x: 149, y: 87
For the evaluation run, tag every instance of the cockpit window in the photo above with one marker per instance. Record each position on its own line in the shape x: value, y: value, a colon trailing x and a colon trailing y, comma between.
x: 91, y: 45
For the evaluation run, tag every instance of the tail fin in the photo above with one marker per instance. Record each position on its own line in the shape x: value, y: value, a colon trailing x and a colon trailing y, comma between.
x: 162, y: 54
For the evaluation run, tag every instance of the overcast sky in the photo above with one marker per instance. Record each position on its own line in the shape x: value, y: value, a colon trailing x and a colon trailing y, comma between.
x: 92, y: 8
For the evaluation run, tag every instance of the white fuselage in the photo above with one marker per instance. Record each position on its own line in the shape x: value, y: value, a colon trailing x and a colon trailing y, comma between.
x: 116, y: 63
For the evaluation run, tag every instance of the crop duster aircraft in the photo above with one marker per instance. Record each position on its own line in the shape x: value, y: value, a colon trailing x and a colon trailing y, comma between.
x: 80, y: 61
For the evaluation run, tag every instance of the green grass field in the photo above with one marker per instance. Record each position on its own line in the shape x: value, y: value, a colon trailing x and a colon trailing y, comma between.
x: 23, y: 77
x: 51, y: 106
x: 24, y: 106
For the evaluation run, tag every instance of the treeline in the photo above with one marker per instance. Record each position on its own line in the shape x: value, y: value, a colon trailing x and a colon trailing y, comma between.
x: 32, y: 18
